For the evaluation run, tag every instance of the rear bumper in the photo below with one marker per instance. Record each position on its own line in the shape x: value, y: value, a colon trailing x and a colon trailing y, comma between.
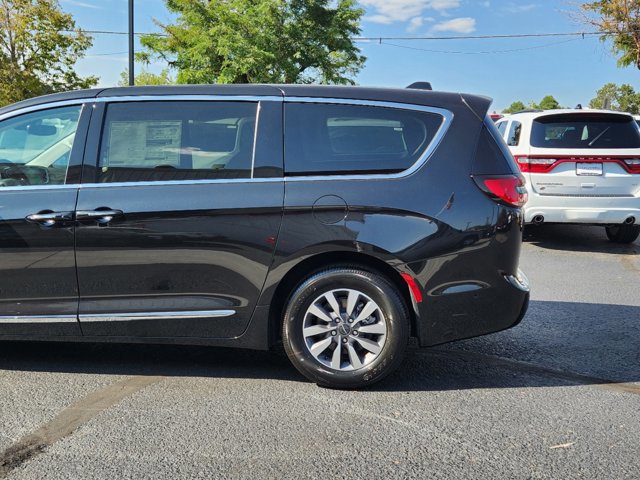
x: 471, y: 313
x: 591, y: 210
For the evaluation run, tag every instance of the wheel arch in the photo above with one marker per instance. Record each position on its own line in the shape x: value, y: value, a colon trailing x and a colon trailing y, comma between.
x: 322, y: 261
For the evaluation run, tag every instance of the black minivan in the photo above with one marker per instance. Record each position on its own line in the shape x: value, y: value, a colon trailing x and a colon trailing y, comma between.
x: 338, y: 221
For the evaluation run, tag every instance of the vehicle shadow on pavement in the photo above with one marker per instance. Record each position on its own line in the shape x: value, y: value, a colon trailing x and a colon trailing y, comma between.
x: 557, y: 344
x: 576, y: 238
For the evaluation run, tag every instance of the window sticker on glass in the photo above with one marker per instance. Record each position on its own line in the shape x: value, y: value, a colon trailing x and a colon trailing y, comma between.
x: 145, y: 144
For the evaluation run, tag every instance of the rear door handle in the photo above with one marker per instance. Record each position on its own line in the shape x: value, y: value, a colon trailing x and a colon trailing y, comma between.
x: 102, y: 215
x: 47, y: 218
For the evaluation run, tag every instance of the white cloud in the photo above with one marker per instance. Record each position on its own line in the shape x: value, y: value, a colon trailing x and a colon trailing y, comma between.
x: 519, y: 8
x: 456, y: 25
x: 389, y: 11
x: 76, y: 3
x: 414, y: 24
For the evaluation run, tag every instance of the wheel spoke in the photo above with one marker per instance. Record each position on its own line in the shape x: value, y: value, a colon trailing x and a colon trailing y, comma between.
x: 320, y: 313
x: 353, y: 357
x: 375, y: 329
x: 322, y: 323
x: 370, y: 345
x: 366, y: 312
x: 319, y: 347
x: 316, y: 330
x: 336, y: 357
x: 352, y: 298
x: 331, y: 300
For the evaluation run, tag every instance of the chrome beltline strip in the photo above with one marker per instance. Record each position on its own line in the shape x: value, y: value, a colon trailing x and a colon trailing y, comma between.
x: 18, y: 319
x: 127, y: 317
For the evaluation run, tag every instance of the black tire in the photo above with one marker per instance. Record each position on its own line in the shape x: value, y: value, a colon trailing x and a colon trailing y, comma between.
x: 392, y: 309
x: 623, y: 233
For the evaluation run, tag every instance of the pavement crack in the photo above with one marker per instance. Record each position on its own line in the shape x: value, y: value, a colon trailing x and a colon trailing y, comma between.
x: 532, y: 368
x: 69, y: 420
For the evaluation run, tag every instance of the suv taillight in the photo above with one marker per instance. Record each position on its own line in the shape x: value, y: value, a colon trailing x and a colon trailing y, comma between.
x: 535, y: 165
x: 633, y: 164
x: 509, y: 189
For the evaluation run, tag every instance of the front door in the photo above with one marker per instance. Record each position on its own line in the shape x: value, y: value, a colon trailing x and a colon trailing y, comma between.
x: 40, y: 158
x: 176, y: 230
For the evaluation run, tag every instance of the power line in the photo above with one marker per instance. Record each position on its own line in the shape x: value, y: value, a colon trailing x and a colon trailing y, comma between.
x: 487, y: 37
x: 485, y: 52
x: 382, y: 39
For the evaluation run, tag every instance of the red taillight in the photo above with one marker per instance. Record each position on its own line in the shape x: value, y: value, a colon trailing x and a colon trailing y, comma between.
x: 508, y: 188
x: 545, y: 163
x: 633, y: 164
x: 534, y: 164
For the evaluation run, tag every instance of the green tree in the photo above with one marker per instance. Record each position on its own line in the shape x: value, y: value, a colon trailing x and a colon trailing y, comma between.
x: 622, y: 98
x: 548, y: 103
x: 259, y: 41
x: 619, y: 21
x: 37, y: 52
x: 515, y: 107
x: 144, y: 77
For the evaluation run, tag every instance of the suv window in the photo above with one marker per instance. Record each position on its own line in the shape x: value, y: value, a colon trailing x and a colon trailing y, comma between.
x: 164, y: 141
x: 502, y: 127
x: 514, y: 134
x: 35, y: 147
x: 332, y: 139
x: 585, y: 130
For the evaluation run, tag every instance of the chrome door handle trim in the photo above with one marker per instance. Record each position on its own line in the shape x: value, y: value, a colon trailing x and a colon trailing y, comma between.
x: 49, y: 219
x: 101, y: 216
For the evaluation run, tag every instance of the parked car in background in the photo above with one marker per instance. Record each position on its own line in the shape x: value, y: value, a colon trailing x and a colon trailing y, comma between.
x: 337, y: 221
x: 581, y: 166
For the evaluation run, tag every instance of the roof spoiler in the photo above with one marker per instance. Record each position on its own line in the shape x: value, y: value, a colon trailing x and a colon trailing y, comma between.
x: 420, y: 86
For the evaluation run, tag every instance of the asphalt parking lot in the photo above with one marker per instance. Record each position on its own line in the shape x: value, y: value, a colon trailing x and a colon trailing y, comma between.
x: 556, y: 397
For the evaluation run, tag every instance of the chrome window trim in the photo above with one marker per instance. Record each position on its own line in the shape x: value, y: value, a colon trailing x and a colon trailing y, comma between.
x: 19, y: 319
x: 141, y: 98
x: 128, y: 317
x: 447, y: 119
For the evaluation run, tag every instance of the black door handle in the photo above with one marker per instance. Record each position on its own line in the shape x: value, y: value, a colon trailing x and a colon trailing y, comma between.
x: 102, y: 215
x: 47, y: 218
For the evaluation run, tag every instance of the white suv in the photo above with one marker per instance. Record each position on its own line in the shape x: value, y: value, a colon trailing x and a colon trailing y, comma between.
x: 581, y: 166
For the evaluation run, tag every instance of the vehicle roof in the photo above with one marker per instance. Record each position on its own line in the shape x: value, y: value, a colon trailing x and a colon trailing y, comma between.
x: 537, y: 114
x: 478, y: 104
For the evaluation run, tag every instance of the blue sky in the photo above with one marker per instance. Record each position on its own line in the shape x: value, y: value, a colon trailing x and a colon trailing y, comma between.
x: 570, y: 68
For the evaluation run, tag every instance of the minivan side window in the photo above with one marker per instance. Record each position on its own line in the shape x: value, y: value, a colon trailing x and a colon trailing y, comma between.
x: 35, y: 148
x: 514, y: 134
x: 168, y: 141
x: 332, y: 139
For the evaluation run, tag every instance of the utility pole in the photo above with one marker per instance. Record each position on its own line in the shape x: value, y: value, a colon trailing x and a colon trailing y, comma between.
x: 131, y: 45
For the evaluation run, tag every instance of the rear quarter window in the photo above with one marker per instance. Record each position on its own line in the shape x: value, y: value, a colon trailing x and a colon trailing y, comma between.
x: 338, y: 139
x: 584, y: 131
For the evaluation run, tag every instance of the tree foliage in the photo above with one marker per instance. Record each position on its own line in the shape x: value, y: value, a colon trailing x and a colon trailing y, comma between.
x: 37, y: 52
x: 619, y: 21
x: 259, y: 41
x: 622, y: 98
x: 144, y: 77
x: 548, y: 103
x: 515, y: 107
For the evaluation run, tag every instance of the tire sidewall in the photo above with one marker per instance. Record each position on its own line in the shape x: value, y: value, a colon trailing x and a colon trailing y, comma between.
x: 372, y: 285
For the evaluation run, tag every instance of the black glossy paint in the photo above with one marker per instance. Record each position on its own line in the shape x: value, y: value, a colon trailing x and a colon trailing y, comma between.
x: 230, y: 245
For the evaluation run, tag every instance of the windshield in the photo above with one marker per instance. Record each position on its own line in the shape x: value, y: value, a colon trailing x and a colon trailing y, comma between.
x: 584, y: 131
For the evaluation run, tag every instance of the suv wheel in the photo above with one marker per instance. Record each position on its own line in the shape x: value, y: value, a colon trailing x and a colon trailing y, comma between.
x: 345, y: 328
x: 623, y: 233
